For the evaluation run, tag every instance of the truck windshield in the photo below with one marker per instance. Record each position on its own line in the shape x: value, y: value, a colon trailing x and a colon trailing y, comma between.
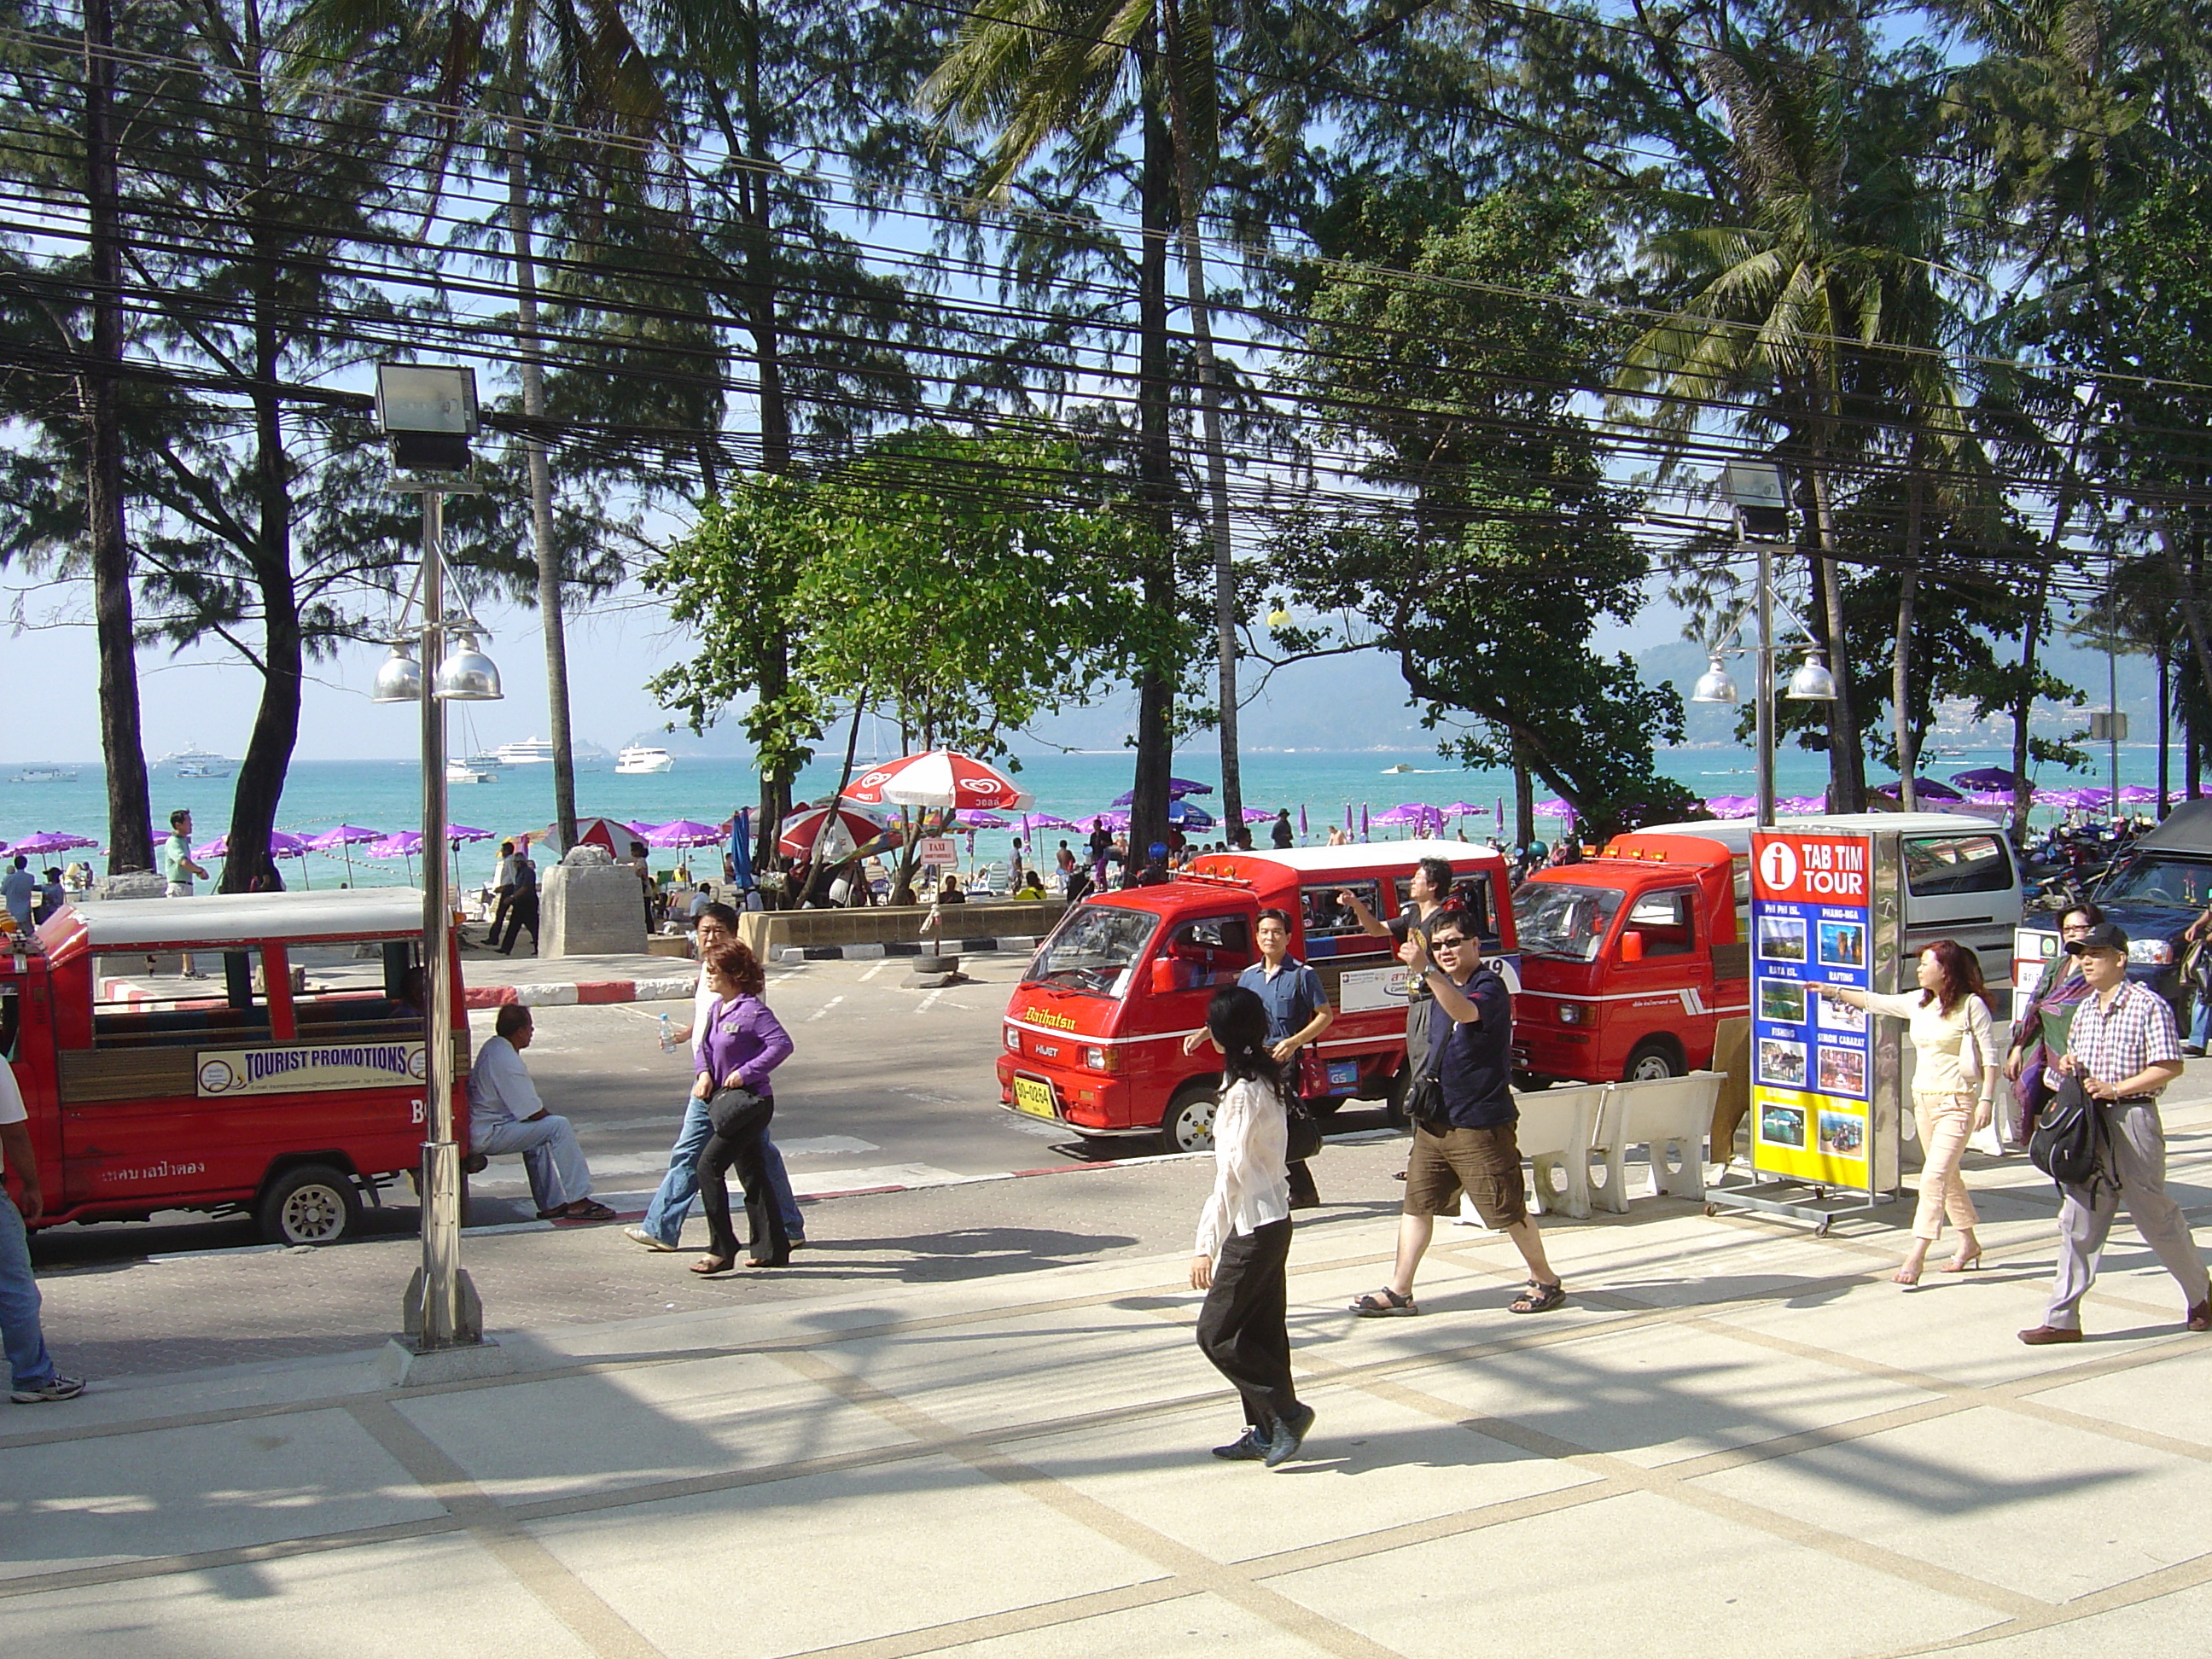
x: 1093, y: 949
x: 1556, y: 919
x: 2173, y: 883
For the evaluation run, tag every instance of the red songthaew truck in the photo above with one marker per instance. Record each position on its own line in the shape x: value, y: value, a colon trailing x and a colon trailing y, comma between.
x: 1093, y: 1034
x: 289, y: 1084
x: 1630, y: 960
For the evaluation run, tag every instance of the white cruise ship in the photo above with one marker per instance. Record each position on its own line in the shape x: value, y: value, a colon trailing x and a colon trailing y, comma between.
x: 530, y: 751
x: 638, y: 759
x: 194, y: 761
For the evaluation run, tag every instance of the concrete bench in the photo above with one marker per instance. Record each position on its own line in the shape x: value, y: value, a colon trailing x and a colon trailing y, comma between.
x: 1554, y: 1134
x: 1671, y: 1116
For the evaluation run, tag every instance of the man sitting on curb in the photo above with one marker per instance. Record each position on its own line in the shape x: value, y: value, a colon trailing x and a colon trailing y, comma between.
x: 506, y: 1116
x: 1464, y: 1140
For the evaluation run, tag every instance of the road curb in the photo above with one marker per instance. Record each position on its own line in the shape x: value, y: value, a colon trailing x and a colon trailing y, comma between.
x: 584, y: 991
x: 940, y: 947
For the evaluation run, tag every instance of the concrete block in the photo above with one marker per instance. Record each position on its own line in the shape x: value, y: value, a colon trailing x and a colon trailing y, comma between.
x: 592, y: 910
x: 410, y: 1368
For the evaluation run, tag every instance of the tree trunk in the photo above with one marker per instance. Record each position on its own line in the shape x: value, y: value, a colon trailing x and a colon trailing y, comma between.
x: 2165, y: 724
x: 1900, y: 667
x: 1846, y: 754
x: 1156, y: 475
x: 1524, y: 800
x: 268, y: 756
x: 129, y: 813
x: 1190, y: 200
x: 544, y: 548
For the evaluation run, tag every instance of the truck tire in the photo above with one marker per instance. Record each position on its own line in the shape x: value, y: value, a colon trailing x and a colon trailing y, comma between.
x: 1187, y: 1125
x: 309, y: 1204
x: 1652, y: 1061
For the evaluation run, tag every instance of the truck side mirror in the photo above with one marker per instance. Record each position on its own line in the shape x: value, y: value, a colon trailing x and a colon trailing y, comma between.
x: 1631, y: 946
x: 1163, y: 976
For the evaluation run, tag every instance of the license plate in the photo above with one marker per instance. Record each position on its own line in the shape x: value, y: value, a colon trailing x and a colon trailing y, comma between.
x: 1034, y: 1095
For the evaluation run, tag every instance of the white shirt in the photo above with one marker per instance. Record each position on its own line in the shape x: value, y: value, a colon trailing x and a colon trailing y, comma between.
x: 11, y: 1100
x: 1940, y: 1041
x: 702, y: 1004
x: 1251, y: 1178
x: 500, y: 1088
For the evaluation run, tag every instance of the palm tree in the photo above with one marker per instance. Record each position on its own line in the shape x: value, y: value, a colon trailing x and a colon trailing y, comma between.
x: 543, y: 64
x: 1037, y: 69
x: 1801, y: 306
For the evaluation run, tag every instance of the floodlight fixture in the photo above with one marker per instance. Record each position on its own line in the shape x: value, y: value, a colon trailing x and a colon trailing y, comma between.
x: 428, y: 411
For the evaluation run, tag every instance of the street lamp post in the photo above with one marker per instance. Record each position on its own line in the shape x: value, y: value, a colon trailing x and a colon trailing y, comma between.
x: 429, y: 414
x: 1760, y: 498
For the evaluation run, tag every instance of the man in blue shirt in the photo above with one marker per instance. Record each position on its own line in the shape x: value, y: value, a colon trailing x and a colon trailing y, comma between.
x: 1297, y: 1013
x: 17, y: 888
x: 1463, y: 1139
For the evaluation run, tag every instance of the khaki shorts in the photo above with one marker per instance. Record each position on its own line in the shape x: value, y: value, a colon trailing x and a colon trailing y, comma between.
x: 1483, y: 1163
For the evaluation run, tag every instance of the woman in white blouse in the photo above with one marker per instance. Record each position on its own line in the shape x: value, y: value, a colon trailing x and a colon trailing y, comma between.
x: 1243, y: 1251
x: 1953, y: 1090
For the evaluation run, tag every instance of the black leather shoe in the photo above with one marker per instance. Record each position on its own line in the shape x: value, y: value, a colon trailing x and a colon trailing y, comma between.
x: 1250, y: 1449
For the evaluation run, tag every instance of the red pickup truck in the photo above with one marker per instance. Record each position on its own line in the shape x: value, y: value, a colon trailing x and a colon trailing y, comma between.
x: 288, y: 1084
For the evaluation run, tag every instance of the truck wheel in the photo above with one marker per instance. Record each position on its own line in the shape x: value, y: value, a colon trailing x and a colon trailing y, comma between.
x: 312, y: 1204
x: 1654, y: 1060
x: 1326, y: 1107
x: 1187, y: 1124
x: 1393, y: 1098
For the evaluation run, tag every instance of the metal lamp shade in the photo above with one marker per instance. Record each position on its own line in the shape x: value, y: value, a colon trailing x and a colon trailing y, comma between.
x: 399, y: 677
x: 1813, y: 683
x: 467, y: 675
x: 1714, y: 685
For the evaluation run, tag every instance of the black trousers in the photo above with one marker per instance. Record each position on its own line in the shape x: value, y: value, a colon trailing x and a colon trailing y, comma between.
x: 738, y: 1143
x: 1243, y: 1327
x: 521, y: 913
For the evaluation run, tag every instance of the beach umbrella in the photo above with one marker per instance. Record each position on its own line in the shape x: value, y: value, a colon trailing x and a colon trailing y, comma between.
x: 2138, y: 794
x: 609, y: 833
x: 683, y: 832
x: 1556, y: 808
x: 1257, y: 815
x: 938, y: 778
x: 1927, y: 787
x: 972, y: 821
x: 1986, y: 777
x: 1115, y: 820
x: 344, y: 839
x: 1185, y: 816
x: 741, y: 848
x: 1177, y: 788
x: 400, y: 844
x: 1732, y: 806
x: 1047, y: 821
x: 1363, y: 821
x: 847, y: 831
x: 51, y: 840
x: 1803, y: 804
x: 1461, y: 809
x: 1302, y: 818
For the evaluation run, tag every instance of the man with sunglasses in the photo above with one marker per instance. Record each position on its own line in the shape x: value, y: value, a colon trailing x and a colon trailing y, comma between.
x: 1463, y: 1134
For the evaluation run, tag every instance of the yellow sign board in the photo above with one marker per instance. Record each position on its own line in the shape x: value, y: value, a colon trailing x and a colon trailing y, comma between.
x: 305, y: 1068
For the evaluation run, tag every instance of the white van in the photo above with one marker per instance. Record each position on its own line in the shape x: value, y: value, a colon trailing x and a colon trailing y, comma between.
x: 1961, y: 880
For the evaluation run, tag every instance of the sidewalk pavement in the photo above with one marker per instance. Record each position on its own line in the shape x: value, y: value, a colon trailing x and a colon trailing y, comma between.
x: 1737, y: 1437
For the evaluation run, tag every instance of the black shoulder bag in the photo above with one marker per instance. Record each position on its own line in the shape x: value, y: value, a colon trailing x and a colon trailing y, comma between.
x: 2068, y: 1132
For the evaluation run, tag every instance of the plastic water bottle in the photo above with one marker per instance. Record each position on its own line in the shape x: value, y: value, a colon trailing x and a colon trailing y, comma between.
x: 667, y: 1036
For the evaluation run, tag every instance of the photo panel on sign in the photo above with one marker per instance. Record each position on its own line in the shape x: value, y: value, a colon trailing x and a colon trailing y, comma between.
x: 1836, y: 1016
x: 1843, y: 945
x: 1781, y: 1000
x: 1782, y: 939
x: 1781, y: 1062
x: 1843, y: 1135
x: 1842, y: 1071
x: 1781, y: 1125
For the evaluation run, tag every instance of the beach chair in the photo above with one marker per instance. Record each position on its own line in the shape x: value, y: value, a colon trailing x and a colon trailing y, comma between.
x: 1671, y: 1116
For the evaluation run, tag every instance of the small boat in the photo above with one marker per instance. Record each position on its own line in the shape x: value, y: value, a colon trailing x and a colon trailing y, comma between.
x: 637, y: 759
x: 1401, y: 767
x: 530, y: 751
x: 484, y: 760
x: 45, y: 775
x: 462, y: 772
x: 194, y: 761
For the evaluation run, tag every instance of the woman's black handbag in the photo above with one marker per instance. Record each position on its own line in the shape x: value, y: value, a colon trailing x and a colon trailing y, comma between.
x: 725, y: 1106
x: 1302, y: 1138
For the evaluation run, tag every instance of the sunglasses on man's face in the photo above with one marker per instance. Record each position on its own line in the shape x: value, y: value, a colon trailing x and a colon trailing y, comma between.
x: 1447, y: 942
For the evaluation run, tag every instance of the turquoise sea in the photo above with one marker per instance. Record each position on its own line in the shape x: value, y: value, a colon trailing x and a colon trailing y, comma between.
x: 386, y: 795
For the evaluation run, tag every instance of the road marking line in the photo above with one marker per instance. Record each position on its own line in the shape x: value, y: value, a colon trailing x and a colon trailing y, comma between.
x: 928, y: 1002
x: 825, y: 1008
x: 877, y: 969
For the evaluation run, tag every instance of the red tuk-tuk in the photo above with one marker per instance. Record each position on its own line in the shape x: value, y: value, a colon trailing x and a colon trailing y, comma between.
x: 290, y: 1085
x: 1093, y: 1034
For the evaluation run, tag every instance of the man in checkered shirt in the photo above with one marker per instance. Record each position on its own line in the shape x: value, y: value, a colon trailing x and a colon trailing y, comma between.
x: 2124, y: 1049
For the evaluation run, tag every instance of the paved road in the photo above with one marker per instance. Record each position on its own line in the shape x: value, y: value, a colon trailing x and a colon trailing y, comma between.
x: 891, y: 1086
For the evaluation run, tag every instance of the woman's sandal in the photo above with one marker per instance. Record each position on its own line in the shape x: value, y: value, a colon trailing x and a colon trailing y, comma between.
x: 582, y: 1209
x: 1538, y: 1297
x: 1968, y: 1262
x: 1385, y: 1304
x: 708, y: 1266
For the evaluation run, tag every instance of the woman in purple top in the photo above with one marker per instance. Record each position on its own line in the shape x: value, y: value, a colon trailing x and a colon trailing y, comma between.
x: 743, y: 1043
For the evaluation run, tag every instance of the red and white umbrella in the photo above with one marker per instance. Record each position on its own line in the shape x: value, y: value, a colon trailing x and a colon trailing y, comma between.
x: 940, y: 778
x: 848, y: 831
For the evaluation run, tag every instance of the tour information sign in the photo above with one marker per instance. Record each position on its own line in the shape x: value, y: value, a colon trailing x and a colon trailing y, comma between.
x: 1812, y: 1061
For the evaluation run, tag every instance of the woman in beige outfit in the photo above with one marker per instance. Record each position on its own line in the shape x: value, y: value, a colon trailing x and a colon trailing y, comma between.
x: 1953, y: 1091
